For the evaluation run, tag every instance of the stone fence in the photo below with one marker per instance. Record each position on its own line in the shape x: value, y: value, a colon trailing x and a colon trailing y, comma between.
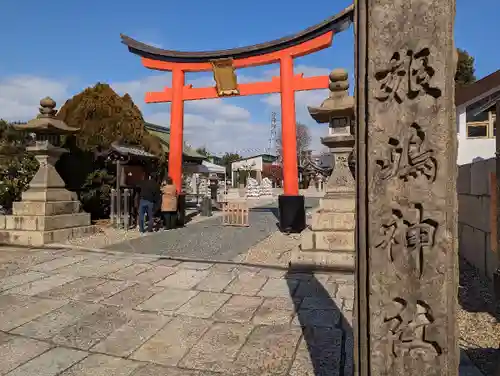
x: 476, y: 211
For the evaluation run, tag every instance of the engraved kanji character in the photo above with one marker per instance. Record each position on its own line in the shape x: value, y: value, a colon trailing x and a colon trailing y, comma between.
x: 420, y: 74
x: 419, y: 161
x: 407, y: 327
x: 390, y: 79
x: 390, y: 166
x: 405, y: 236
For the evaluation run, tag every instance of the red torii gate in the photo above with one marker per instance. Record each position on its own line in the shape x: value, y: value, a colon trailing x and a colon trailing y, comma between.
x: 223, y: 63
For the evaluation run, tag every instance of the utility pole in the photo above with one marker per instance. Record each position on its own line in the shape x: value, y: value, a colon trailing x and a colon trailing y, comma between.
x: 271, y: 148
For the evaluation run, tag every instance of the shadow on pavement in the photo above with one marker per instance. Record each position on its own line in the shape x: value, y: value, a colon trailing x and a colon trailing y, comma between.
x: 327, y: 334
x: 189, y: 217
x: 485, y: 359
x: 475, y: 293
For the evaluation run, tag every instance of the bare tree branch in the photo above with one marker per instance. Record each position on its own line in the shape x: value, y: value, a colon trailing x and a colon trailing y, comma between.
x: 303, y: 142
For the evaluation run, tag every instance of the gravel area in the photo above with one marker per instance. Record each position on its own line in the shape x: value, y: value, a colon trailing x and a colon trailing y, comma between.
x: 207, y: 240
x: 108, y: 236
x: 274, y: 250
x: 210, y: 240
x: 478, y: 321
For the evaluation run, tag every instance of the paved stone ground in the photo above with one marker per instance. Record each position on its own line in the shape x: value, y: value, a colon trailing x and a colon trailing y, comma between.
x: 82, y: 313
x: 209, y: 240
x: 68, y: 313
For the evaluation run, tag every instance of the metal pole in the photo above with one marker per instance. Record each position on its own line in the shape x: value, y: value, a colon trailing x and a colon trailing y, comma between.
x: 126, y: 209
x: 113, y: 208
x: 118, y: 195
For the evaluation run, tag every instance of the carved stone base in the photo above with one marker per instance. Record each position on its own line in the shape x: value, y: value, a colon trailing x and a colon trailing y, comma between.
x: 329, y: 242
x: 45, y: 216
x: 40, y: 238
x: 48, y: 195
x: 318, y: 260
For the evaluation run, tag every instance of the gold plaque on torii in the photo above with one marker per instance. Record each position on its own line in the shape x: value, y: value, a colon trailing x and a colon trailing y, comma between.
x: 225, y: 78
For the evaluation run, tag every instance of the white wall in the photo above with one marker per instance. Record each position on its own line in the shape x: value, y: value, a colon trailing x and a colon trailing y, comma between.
x: 471, y: 148
x: 254, y: 164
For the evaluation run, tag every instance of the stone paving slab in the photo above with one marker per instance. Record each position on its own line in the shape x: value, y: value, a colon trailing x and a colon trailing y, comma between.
x: 85, y: 313
x: 18, y: 350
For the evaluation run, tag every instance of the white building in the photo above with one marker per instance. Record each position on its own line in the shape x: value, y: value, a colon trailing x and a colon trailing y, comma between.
x: 250, y: 166
x: 476, y: 115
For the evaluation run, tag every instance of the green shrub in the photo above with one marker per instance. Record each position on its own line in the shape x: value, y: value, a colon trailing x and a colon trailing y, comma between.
x: 16, y: 167
x: 95, y: 194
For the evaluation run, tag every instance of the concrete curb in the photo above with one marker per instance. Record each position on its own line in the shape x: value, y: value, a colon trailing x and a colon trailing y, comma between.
x: 156, y: 257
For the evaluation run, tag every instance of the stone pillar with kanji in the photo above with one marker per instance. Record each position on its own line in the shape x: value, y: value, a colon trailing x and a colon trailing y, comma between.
x: 406, y: 175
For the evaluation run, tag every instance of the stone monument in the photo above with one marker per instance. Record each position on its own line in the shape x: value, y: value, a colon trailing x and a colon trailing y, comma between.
x: 329, y: 242
x: 48, y: 212
x: 407, y: 272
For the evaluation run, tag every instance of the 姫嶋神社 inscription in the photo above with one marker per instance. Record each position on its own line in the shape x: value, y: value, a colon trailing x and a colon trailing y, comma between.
x: 406, y: 188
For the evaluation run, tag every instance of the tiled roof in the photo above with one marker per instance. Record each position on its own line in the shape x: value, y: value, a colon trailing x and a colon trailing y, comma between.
x: 126, y: 150
x: 464, y: 94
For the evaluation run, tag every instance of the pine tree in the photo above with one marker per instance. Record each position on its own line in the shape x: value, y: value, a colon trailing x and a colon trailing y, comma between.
x: 465, y: 69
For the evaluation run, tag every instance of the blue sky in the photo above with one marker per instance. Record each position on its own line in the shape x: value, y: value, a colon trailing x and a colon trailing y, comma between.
x: 60, y: 49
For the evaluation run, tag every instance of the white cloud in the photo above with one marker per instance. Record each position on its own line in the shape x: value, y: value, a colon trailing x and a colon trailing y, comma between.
x: 218, y: 109
x: 138, y: 88
x: 20, y: 95
x: 215, y: 123
x: 219, y: 134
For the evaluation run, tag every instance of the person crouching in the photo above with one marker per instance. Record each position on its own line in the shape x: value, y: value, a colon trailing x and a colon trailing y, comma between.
x: 169, y: 204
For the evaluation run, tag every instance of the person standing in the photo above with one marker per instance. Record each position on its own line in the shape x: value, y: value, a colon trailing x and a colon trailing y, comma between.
x: 149, y: 194
x: 169, y: 204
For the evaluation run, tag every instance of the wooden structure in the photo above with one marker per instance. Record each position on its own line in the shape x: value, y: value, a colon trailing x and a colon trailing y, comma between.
x: 132, y: 165
x: 235, y: 213
x: 131, y: 161
x: 223, y: 64
x: 121, y: 211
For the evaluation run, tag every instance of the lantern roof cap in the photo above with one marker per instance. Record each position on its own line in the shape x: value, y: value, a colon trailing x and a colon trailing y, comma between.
x: 46, y: 121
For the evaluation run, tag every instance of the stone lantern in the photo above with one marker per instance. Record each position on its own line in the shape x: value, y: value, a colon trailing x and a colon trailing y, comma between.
x: 338, y: 111
x: 48, y: 212
x: 329, y: 240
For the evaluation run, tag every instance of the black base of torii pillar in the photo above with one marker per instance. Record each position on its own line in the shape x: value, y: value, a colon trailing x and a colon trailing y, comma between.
x: 292, y: 213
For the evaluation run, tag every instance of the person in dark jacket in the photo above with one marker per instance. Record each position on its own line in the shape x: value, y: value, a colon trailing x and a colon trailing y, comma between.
x: 149, y: 194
